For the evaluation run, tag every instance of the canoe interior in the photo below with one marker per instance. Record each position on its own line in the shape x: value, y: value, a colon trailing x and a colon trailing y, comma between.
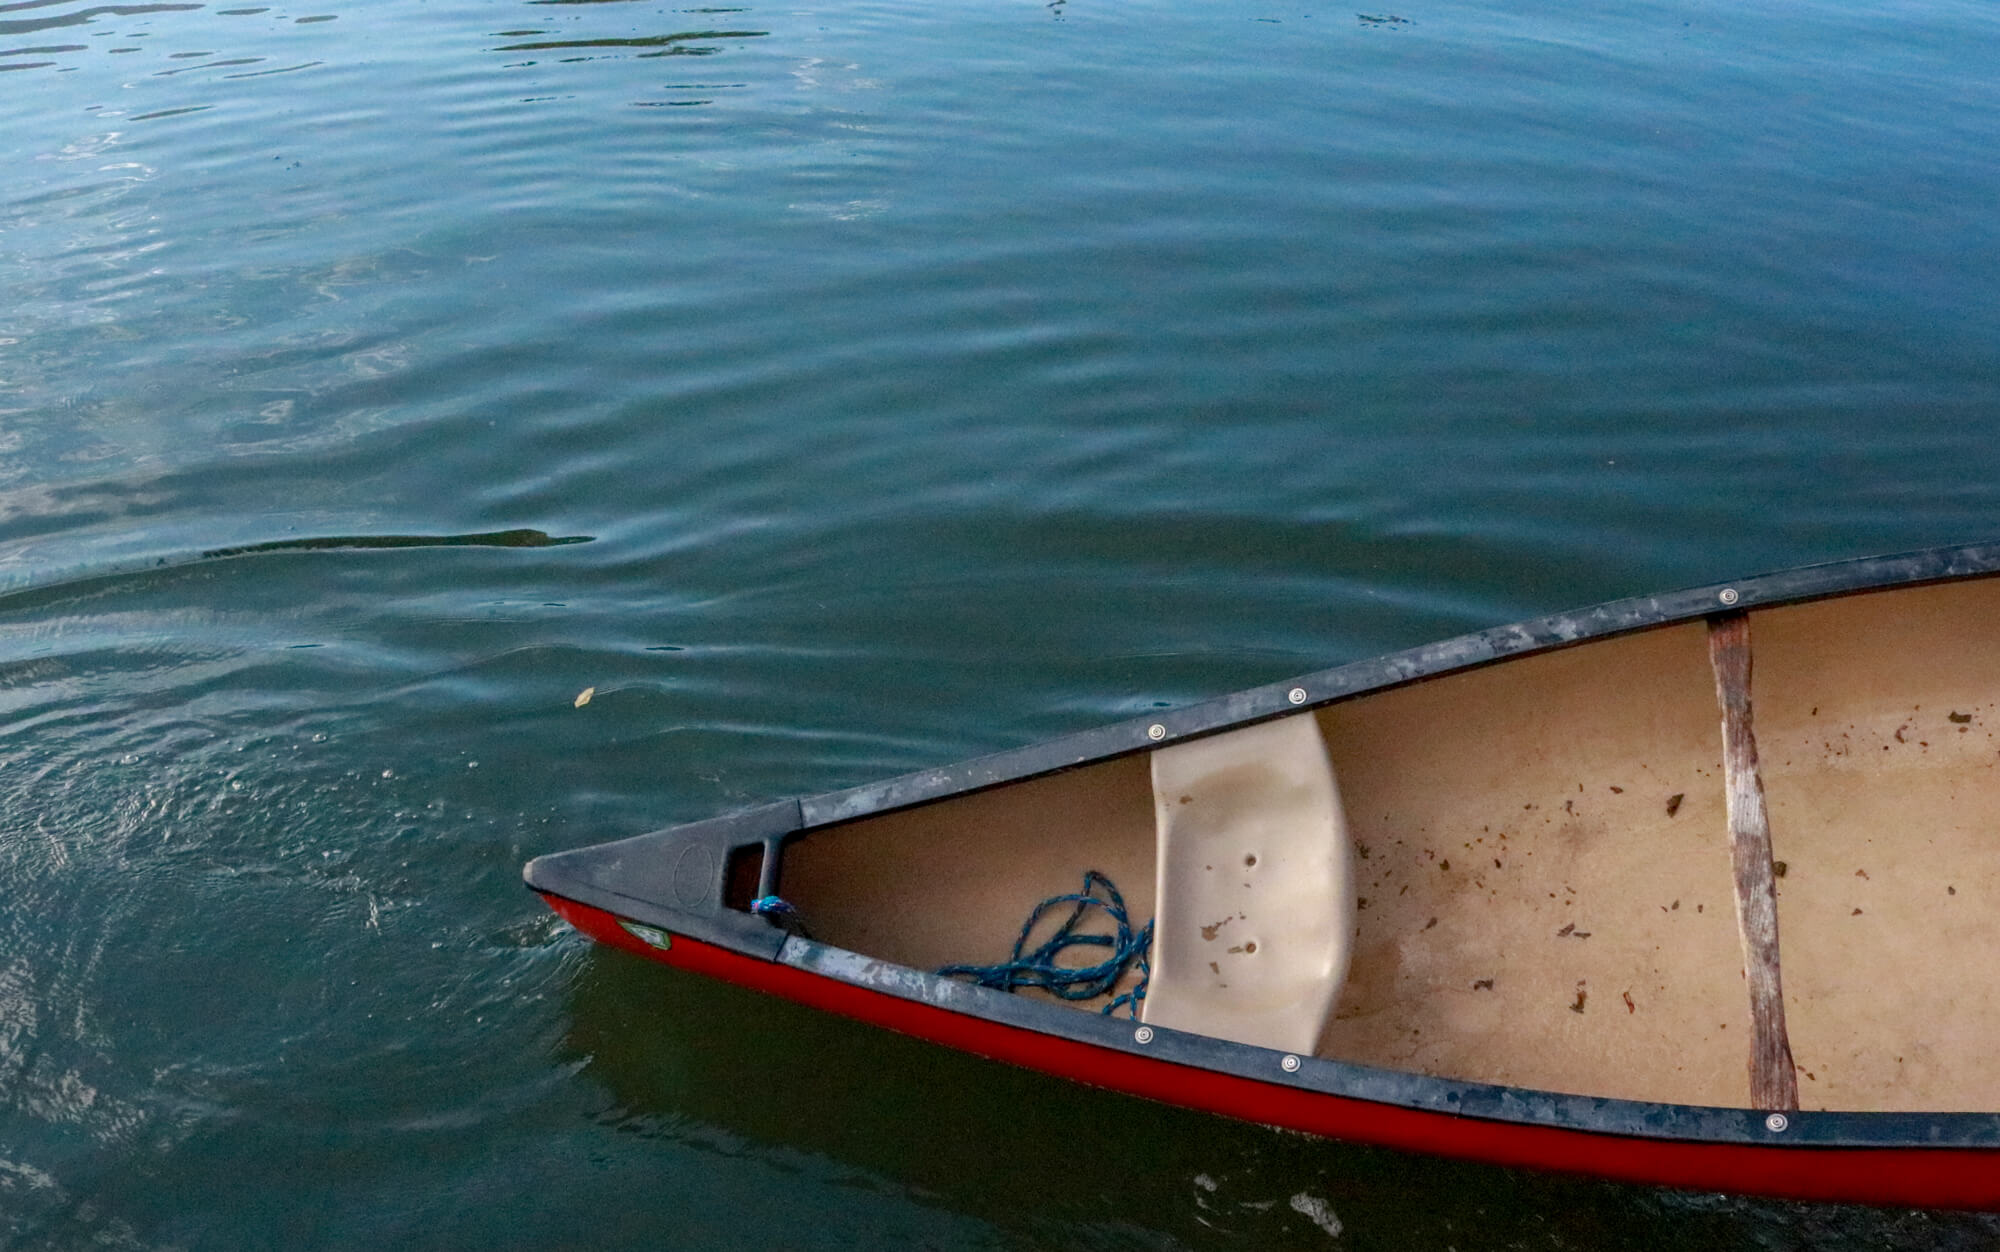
x: 952, y: 882
x: 1544, y: 863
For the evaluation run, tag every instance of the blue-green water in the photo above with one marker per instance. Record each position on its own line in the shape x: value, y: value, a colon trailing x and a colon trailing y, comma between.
x: 930, y: 379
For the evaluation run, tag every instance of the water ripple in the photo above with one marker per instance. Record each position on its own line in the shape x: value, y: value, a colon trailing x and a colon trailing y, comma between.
x: 933, y: 379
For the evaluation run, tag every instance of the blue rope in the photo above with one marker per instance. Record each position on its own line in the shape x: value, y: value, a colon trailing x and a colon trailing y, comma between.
x: 780, y: 913
x: 1039, y: 968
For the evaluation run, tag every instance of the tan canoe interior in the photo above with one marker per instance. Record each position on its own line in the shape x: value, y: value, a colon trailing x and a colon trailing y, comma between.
x: 1544, y: 862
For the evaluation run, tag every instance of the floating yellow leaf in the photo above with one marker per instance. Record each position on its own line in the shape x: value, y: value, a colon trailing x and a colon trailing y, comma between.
x: 583, y: 697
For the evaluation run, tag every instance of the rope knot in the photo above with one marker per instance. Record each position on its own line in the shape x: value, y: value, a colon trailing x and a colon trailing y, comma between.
x: 780, y: 913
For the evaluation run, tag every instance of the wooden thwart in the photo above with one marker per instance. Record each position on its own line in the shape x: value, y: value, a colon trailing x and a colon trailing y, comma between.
x: 1774, y: 1083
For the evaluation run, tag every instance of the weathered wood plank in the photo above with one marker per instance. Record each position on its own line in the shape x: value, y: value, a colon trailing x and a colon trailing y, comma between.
x: 1774, y: 1083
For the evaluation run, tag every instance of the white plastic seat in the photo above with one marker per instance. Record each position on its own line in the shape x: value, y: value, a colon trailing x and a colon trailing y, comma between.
x: 1254, y: 919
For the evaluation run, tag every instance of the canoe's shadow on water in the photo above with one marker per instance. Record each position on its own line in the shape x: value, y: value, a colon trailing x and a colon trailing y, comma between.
x: 1058, y: 1162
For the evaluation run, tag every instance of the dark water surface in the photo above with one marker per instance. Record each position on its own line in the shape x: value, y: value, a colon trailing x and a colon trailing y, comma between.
x: 927, y: 379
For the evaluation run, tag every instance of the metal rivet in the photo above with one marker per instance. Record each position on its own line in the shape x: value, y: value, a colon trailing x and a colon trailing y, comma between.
x: 1290, y: 1064
x: 1143, y: 1035
x: 1156, y: 731
x: 1776, y: 1123
x: 1298, y: 695
x: 1728, y: 595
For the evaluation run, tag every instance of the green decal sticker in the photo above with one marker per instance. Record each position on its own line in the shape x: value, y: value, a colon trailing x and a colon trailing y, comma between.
x: 652, y: 935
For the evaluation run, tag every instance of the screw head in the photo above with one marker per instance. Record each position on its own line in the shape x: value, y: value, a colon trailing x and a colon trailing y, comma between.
x: 1728, y: 595
x: 1776, y: 1123
x: 1297, y: 695
x: 1143, y: 1035
x: 1290, y: 1064
x: 1156, y: 731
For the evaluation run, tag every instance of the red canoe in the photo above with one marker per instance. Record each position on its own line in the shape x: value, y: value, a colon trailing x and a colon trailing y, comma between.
x: 1554, y: 895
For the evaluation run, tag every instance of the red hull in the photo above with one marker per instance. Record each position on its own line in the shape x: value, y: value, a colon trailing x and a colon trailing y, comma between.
x: 1913, y: 1176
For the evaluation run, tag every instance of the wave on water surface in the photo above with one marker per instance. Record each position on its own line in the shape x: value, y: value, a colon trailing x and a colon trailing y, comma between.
x: 522, y: 538
x: 517, y: 538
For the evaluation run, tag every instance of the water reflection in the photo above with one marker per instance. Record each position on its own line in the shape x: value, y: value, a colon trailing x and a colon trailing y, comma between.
x: 28, y: 52
x: 671, y: 45
x: 730, y: 1074
x: 79, y: 17
x: 58, y: 36
x: 600, y: 44
x: 699, y: 43
x: 71, y: 17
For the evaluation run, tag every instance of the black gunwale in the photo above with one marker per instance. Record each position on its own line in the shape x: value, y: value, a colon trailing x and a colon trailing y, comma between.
x: 597, y: 876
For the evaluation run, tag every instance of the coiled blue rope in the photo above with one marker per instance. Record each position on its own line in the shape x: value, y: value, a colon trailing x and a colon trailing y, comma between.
x: 1040, y: 968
